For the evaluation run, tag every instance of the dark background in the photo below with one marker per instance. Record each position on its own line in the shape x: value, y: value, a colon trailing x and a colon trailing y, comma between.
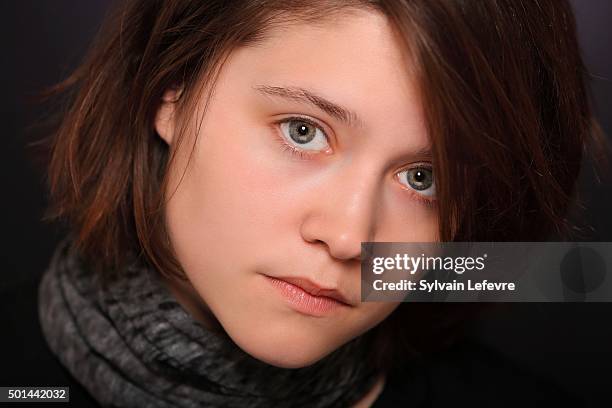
x: 569, y: 343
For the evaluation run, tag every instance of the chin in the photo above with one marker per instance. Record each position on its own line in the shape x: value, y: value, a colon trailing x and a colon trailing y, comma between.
x: 295, y: 359
x: 282, y: 346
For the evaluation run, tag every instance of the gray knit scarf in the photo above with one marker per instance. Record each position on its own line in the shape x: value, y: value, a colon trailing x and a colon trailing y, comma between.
x: 131, y: 344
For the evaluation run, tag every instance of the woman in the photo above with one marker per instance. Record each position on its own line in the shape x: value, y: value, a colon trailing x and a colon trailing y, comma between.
x: 221, y: 162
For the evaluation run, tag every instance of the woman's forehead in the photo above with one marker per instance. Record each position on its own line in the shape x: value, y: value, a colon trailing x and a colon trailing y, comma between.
x: 353, y: 64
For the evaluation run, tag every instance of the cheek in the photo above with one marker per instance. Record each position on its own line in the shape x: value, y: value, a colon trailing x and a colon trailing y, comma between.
x: 237, y: 192
x: 230, y: 200
x: 406, y: 220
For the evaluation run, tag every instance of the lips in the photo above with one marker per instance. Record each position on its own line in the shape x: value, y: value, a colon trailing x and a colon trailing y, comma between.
x: 315, y: 289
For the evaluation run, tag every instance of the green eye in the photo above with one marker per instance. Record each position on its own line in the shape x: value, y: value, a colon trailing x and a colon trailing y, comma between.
x: 304, y: 134
x: 420, y: 179
x: 301, y: 132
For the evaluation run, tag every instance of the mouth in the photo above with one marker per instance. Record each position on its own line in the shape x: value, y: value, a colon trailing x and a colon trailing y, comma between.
x: 307, y: 297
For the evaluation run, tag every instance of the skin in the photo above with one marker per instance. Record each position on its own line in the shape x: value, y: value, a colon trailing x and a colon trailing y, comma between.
x: 247, y: 206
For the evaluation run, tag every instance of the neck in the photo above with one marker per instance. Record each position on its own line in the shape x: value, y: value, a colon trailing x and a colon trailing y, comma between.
x: 188, y: 298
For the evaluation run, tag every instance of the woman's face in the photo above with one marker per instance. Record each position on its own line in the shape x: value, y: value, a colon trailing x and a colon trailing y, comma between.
x: 314, y: 141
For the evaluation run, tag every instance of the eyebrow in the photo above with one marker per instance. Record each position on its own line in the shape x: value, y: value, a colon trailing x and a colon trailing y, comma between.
x: 305, y: 96
x: 423, y: 153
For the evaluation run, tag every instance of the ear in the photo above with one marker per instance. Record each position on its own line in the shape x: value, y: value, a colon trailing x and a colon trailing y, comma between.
x: 164, y: 118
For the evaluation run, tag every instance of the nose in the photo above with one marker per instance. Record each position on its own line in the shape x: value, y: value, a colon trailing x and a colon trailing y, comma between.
x: 342, y: 214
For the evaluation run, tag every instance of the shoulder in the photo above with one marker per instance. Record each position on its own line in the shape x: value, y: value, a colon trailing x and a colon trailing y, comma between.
x: 470, y: 374
x: 27, y: 360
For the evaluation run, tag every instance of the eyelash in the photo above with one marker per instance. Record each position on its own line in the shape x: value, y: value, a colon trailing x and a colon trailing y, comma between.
x: 303, y: 155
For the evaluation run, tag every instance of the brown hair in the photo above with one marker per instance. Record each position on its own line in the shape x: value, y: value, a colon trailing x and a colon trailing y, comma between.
x: 501, y: 82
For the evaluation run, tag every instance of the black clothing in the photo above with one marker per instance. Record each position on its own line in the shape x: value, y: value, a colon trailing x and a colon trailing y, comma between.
x: 466, y: 375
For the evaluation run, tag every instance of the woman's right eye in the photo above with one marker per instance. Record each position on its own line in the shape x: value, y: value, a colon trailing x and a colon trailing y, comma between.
x: 303, y: 134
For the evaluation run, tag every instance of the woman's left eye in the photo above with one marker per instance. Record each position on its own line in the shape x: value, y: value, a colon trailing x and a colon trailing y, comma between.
x: 420, y: 179
x: 303, y: 134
